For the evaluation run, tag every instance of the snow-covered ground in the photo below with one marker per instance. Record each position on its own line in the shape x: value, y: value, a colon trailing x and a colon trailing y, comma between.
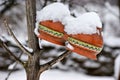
x: 54, y: 75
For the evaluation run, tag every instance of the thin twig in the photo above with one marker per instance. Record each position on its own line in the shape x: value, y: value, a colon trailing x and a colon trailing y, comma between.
x: 52, y: 62
x: 18, y: 43
x: 13, y: 68
x: 40, y: 3
x: 45, y: 3
x: 109, y: 8
x: 10, y: 53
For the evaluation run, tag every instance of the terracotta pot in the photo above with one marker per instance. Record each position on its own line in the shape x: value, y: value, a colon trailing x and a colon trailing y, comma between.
x: 52, y: 32
x: 86, y: 44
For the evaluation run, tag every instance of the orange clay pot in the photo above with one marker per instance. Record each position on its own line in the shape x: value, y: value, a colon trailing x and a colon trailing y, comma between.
x: 52, y: 32
x: 86, y: 44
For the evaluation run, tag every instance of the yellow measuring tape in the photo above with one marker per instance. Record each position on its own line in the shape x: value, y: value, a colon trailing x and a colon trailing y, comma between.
x: 50, y: 31
x: 83, y: 44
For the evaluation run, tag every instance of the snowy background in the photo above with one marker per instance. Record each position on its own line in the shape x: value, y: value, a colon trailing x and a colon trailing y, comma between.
x: 77, y: 67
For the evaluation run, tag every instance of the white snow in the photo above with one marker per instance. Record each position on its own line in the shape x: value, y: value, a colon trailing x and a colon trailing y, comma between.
x: 12, y: 66
x: 67, y: 44
x: 86, y: 24
x: 111, y: 29
x: 111, y: 25
x: 56, y: 12
x: 40, y: 45
x: 74, y: 55
x: 46, y: 43
x: 91, y: 64
x: 2, y: 38
x: 112, y: 41
x: 6, y: 37
x: 54, y: 75
x: 29, y: 49
x: 36, y: 29
x: 117, y: 67
x: 1, y: 6
x: 111, y: 9
x: 103, y: 59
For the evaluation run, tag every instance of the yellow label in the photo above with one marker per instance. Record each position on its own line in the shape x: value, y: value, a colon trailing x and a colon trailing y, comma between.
x: 83, y: 44
x: 50, y: 31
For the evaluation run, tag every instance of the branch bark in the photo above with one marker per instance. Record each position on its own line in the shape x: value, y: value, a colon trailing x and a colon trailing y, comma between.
x: 8, y: 5
x: 10, y: 53
x: 52, y: 62
x: 33, y: 66
x: 31, y: 20
x: 16, y: 40
x: 45, y: 3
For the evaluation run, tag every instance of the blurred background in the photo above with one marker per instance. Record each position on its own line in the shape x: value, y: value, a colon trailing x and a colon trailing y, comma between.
x: 108, y: 63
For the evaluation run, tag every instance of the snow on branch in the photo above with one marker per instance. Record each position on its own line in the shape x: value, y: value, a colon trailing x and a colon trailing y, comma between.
x: 16, y: 40
x: 52, y: 62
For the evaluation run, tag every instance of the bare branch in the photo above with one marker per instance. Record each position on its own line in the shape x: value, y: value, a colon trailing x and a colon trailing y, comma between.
x: 18, y: 43
x: 10, y: 53
x: 109, y: 8
x: 31, y: 20
x: 52, y: 62
x: 45, y: 3
x: 40, y: 3
x: 13, y: 68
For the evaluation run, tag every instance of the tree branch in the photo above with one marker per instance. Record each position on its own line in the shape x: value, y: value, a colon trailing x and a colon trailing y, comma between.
x: 52, y: 62
x: 8, y: 4
x: 45, y: 3
x: 10, y: 53
x: 13, y: 68
x: 31, y: 20
x: 18, y: 43
x: 109, y: 8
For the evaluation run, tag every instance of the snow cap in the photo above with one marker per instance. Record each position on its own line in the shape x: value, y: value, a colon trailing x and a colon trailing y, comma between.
x: 56, y: 12
x: 87, y: 23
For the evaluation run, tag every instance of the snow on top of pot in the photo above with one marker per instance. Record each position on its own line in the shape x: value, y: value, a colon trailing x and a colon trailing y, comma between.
x: 87, y: 23
x: 56, y: 12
